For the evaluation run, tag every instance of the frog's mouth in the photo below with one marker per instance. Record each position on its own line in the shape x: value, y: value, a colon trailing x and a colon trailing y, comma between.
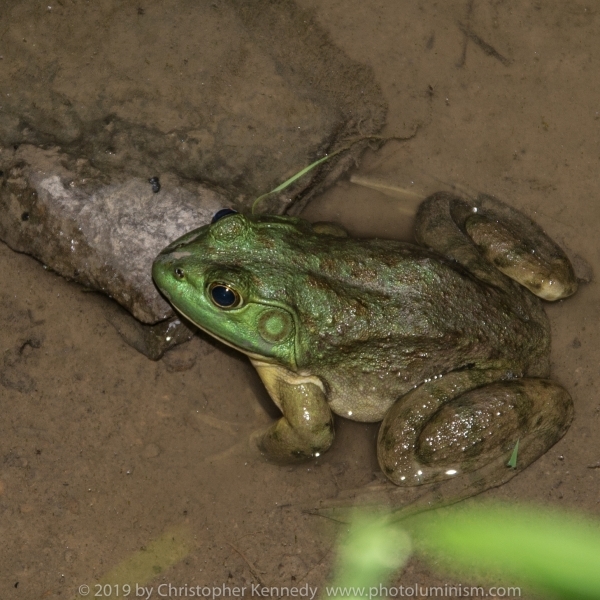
x: 223, y: 340
x: 262, y: 358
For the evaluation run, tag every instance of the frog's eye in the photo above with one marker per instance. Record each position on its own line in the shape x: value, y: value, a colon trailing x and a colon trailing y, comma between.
x: 224, y: 212
x: 179, y: 273
x: 224, y: 296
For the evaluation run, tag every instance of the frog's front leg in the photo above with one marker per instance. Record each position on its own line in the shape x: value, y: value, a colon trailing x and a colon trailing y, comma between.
x: 469, y: 422
x: 306, y: 427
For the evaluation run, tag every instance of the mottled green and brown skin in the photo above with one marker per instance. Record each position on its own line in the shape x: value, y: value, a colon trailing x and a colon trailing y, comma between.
x: 432, y: 339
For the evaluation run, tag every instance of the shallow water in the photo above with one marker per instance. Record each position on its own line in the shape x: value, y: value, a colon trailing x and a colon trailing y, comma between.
x: 103, y: 451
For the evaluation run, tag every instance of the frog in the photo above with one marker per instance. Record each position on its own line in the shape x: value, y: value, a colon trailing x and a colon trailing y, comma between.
x: 445, y: 341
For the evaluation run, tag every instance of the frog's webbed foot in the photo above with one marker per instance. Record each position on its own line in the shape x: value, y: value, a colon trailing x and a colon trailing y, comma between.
x: 442, y: 430
x: 451, y: 439
x: 486, y: 236
x: 404, y: 502
x: 381, y: 496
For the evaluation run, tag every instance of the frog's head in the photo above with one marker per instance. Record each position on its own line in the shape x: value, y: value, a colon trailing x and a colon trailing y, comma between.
x: 224, y: 277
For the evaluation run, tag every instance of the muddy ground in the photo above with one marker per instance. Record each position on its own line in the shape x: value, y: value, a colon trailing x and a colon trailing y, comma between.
x: 103, y: 451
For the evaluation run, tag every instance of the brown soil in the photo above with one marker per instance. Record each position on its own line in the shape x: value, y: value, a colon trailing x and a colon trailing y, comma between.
x: 103, y: 451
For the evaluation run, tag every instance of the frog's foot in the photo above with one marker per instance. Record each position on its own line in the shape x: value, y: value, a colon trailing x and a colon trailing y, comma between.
x: 306, y: 428
x: 428, y: 438
x: 486, y: 236
x: 405, y: 502
x: 379, y: 496
x: 456, y: 436
x: 292, y: 439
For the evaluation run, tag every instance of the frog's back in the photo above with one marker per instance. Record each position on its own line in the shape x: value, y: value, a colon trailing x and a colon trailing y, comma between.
x: 380, y: 317
x: 396, y: 307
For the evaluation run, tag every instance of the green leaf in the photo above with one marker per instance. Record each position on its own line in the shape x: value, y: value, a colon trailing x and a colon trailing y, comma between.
x: 512, y: 461
x: 297, y: 176
x: 550, y: 551
x: 372, y: 551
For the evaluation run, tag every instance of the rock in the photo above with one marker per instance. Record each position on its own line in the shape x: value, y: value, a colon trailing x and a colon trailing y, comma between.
x: 240, y: 95
x: 151, y: 340
x: 112, y: 116
x: 99, y: 233
x: 150, y: 451
x: 180, y: 359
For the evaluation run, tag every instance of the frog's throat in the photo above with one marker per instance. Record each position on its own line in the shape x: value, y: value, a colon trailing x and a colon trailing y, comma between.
x: 251, y: 355
x: 273, y: 374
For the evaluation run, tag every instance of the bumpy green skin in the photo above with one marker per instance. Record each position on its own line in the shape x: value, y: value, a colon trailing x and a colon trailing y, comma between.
x: 363, y: 327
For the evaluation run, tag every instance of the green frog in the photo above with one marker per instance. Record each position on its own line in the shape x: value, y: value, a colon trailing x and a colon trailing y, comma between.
x: 445, y: 342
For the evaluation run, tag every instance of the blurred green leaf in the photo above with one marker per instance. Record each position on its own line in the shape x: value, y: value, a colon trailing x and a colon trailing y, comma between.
x: 552, y: 551
x: 512, y: 461
x: 371, y: 552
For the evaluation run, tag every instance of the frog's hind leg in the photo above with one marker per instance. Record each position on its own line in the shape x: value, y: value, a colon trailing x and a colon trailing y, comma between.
x: 486, y: 236
x: 434, y: 434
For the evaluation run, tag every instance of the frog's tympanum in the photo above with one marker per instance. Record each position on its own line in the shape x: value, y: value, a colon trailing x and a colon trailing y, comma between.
x: 446, y: 342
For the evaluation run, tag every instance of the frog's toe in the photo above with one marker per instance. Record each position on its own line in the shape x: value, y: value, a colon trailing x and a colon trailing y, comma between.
x: 280, y: 444
x: 474, y: 433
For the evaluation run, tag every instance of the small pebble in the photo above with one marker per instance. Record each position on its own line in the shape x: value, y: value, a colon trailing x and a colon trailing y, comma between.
x: 155, y: 183
x: 150, y: 451
x: 179, y: 359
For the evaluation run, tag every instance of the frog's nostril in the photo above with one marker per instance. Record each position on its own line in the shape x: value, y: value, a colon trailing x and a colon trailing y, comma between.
x: 179, y: 273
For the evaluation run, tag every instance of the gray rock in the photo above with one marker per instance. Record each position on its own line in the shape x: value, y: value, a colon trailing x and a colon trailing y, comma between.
x: 237, y: 94
x: 101, y: 234
x: 151, y: 340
